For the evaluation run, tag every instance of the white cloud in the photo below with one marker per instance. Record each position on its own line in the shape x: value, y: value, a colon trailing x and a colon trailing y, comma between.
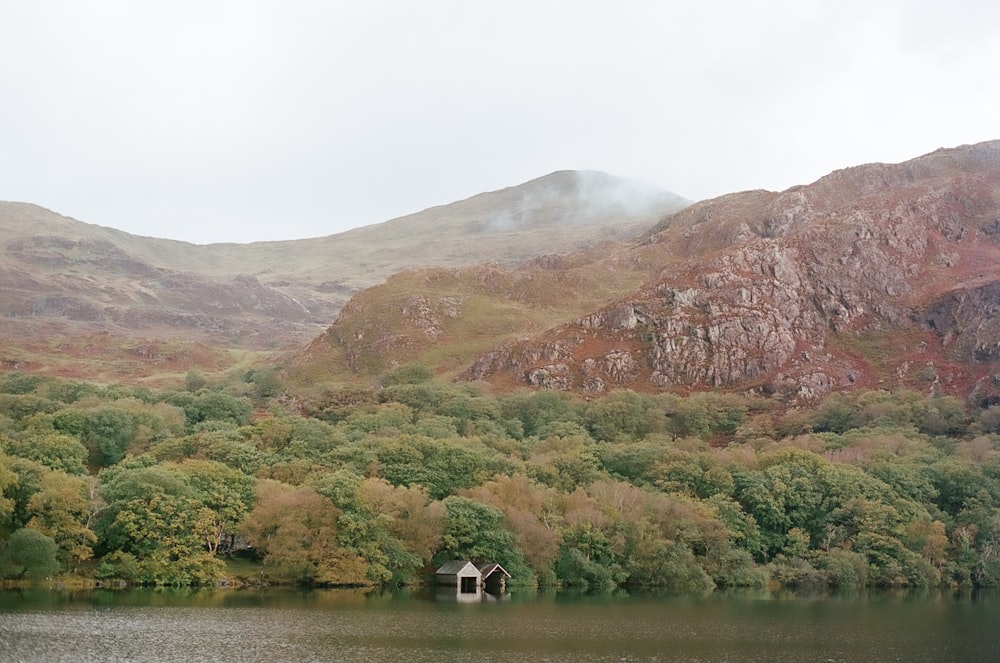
x: 241, y: 121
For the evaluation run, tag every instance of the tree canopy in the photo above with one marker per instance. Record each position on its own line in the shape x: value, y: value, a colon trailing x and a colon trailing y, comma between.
x: 377, y: 486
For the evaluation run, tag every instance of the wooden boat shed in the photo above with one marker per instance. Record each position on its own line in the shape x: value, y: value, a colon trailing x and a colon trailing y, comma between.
x: 467, y: 578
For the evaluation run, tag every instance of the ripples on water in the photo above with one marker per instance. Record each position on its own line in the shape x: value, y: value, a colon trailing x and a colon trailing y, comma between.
x: 271, y: 627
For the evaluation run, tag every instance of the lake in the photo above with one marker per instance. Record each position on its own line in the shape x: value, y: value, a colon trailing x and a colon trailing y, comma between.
x: 349, y: 625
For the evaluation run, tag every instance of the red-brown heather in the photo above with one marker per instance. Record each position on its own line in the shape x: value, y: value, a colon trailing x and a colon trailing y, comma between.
x: 874, y: 276
x: 880, y: 275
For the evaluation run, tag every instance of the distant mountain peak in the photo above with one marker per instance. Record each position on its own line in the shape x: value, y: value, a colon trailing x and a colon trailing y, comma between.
x: 575, y: 198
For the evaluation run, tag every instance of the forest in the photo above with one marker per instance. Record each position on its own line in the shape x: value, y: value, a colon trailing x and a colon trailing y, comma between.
x: 236, y: 482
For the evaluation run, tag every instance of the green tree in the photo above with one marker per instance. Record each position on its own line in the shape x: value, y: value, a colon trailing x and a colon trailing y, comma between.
x: 956, y: 481
x: 19, y: 383
x: 988, y: 420
x: 8, y: 480
x: 692, y: 473
x: 17, y: 493
x: 153, y: 515
x: 369, y: 536
x: 411, y: 374
x: 443, y: 466
x: 110, y: 432
x: 266, y: 384
x: 52, y: 449
x: 22, y: 406
x: 194, y: 380
x: 413, y: 523
x: 787, y: 491
x: 61, y: 510
x: 621, y: 414
x: 586, y: 560
x: 538, y: 409
x: 476, y: 531
x: 225, y: 496
x: 636, y: 462
x: 836, y: 415
x: 212, y: 406
x: 655, y: 560
x: 944, y: 415
x: 705, y: 415
x: 29, y: 554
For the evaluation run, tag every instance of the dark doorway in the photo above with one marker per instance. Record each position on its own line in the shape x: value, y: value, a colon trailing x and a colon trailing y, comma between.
x: 469, y: 585
x: 495, y: 584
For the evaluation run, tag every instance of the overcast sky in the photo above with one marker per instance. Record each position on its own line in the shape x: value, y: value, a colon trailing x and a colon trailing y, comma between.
x: 257, y: 120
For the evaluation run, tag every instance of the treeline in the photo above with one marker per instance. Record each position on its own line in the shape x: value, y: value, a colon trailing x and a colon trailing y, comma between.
x: 234, y: 481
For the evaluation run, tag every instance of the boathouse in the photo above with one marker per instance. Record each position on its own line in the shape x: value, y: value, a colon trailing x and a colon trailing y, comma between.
x: 467, y: 578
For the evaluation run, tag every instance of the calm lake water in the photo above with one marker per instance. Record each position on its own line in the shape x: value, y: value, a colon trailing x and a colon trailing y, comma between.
x: 341, y: 625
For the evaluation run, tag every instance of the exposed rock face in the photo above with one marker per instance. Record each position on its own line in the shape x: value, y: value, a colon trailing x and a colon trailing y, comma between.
x: 754, y: 287
x: 968, y: 321
x: 375, y: 334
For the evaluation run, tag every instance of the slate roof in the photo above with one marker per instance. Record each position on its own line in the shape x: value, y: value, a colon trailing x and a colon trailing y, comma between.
x: 456, y: 566
x: 489, y: 568
x: 453, y: 567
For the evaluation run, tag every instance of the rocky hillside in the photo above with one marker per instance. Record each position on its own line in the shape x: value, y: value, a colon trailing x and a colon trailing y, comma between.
x: 876, y: 275
x: 109, y: 296
x: 443, y: 318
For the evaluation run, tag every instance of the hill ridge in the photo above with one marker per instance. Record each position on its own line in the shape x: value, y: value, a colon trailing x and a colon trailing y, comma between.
x: 776, y: 292
x: 63, y: 277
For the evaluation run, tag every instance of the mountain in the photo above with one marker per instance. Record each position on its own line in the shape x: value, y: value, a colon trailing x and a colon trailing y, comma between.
x: 881, y: 275
x: 77, y: 298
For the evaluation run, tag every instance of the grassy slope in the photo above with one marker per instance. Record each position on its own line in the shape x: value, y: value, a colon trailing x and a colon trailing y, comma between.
x: 107, y: 274
x: 443, y: 319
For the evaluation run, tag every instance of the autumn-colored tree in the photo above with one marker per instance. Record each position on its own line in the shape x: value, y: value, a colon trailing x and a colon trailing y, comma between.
x: 417, y: 521
x: 294, y: 529
x: 531, y: 512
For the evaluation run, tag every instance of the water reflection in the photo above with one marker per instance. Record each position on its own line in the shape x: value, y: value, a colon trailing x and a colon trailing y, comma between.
x: 478, y: 595
x: 424, y: 625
